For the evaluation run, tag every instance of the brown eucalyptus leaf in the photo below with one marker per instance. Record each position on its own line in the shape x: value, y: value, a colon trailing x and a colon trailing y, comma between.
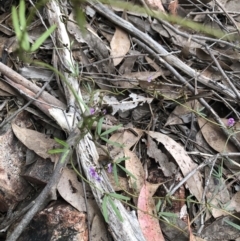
x: 221, y: 230
x: 134, y: 166
x: 155, y: 4
x: 71, y: 189
x: 179, y: 114
x: 34, y: 140
x: 215, y: 137
x: 120, y: 45
x: 235, y: 202
x: 149, y: 224
x: 183, y: 160
x: 168, y: 168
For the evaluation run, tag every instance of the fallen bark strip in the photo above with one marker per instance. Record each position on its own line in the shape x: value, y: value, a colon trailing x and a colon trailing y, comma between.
x: 171, y: 59
x: 39, y: 102
x: 8, y: 119
x: 129, y: 229
x: 19, y: 79
x: 47, y: 103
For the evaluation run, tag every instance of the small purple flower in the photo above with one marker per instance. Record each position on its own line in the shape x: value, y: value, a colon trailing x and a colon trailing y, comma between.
x: 104, y: 111
x: 92, y: 111
x: 109, y: 167
x: 149, y: 79
x: 98, y: 178
x: 94, y: 174
x: 230, y: 122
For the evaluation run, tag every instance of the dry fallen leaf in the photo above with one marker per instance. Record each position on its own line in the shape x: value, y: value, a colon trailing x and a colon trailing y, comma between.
x: 182, y: 113
x: 235, y: 202
x: 98, y: 229
x: 120, y: 45
x: 215, y: 137
x: 156, y: 5
x: 149, y: 225
x: 134, y: 165
x: 183, y: 160
x: 220, y: 229
x: 71, y: 189
x: 36, y: 141
x: 217, y: 195
x: 173, y: 5
x: 132, y: 79
x: 168, y: 168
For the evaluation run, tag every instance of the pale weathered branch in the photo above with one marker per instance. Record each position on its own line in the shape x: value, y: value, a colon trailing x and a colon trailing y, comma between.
x: 129, y: 229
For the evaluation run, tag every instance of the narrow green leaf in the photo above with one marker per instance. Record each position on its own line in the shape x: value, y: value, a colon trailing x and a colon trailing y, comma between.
x: 119, y: 160
x: 118, y: 196
x: 115, y: 209
x: 42, y: 38
x: 24, y: 42
x: 111, y: 142
x: 56, y: 151
x: 61, y: 142
x: 114, y: 128
x: 158, y: 205
x: 16, y: 25
x: 167, y: 214
x: 125, y: 170
x: 99, y: 126
x: 104, y: 208
x: 64, y: 156
x: 22, y: 16
x: 81, y: 20
x: 115, y: 174
x: 232, y: 224
x: 168, y: 200
x: 189, y: 201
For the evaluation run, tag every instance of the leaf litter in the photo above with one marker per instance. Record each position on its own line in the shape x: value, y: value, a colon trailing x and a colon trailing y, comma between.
x: 179, y: 107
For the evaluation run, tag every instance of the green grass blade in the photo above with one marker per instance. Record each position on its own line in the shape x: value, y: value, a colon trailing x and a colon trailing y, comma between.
x: 104, y: 208
x: 168, y: 214
x: 61, y: 142
x: 25, y: 41
x: 16, y: 25
x: 119, y: 160
x: 42, y: 38
x: 111, y: 142
x: 81, y: 19
x: 22, y: 15
x: 115, y: 209
x: 232, y: 224
x: 125, y: 170
x: 56, y: 151
x: 119, y: 196
x: 114, y: 128
x: 158, y: 205
x: 99, y: 126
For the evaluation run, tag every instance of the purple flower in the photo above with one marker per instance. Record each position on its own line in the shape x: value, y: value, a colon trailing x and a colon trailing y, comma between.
x: 104, y: 111
x: 109, y: 167
x: 98, y: 178
x: 149, y: 79
x: 230, y: 122
x: 92, y: 111
x: 94, y: 174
